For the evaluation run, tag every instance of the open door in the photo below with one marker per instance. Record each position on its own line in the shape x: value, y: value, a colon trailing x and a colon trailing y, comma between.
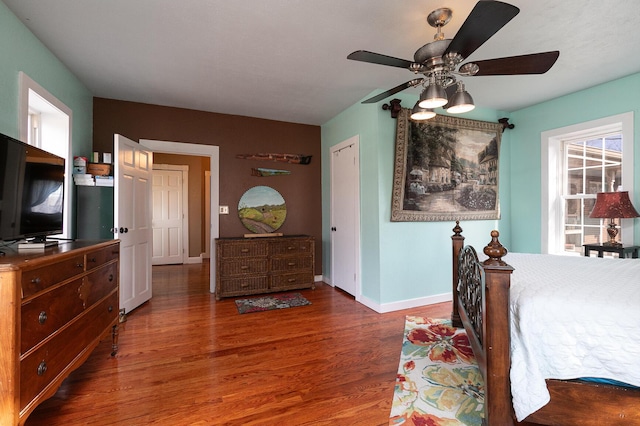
x: 132, y: 220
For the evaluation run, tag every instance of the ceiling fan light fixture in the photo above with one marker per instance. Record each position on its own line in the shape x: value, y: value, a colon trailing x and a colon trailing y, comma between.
x: 420, y: 114
x: 461, y: 101
x: 433, y: 96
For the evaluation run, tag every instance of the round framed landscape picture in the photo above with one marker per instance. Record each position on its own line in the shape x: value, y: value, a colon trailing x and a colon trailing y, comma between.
x: 262, y: 210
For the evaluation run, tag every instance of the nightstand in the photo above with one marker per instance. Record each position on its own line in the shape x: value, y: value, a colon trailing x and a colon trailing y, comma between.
x: 621, y: 250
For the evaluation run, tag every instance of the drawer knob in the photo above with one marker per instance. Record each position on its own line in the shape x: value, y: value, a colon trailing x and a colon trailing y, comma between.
x: 110, y: 277
x: 291, y: 280
x: 244, y: 250
x: 110, y: 309
x: 290, y: 248
x: 42, y: 368
x: 42, y: 318
x: 36, y: 280
x: 291, y: 263
x: 93, y: 259
x: 244, y: 267
x: 80, y: 265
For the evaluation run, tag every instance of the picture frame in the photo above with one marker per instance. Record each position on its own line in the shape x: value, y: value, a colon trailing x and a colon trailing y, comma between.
x: 445, y: 169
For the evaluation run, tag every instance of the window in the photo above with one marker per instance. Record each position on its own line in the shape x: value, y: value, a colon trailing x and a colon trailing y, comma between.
x: 578, y: 162
x: 45, y: 122
x: 590, y: 166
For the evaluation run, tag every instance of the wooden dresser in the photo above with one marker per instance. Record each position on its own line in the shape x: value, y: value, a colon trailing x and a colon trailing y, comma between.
x: 265, y: 264
x: 55, y: 306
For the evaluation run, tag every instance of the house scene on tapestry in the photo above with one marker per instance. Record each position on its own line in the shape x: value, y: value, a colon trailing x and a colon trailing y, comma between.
x: 451, y: 169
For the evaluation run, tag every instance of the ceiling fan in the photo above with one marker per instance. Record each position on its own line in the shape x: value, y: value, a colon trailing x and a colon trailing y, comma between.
x: 438, y: 61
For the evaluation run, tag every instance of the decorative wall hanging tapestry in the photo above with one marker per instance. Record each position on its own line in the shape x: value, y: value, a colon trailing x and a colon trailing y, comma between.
x: 445, y: 169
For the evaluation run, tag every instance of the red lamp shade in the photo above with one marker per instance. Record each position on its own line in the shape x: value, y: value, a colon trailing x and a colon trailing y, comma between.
x: 613, y: 205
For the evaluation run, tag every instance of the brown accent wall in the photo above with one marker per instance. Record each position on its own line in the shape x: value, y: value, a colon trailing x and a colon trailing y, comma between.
x: 234, y: 135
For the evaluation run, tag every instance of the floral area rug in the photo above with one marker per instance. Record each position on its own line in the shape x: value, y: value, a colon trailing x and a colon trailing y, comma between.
x: 438, y: 382
x: 268, y: 303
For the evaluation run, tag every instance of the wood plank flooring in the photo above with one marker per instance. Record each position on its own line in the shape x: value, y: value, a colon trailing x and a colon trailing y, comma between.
x: 187, y: 359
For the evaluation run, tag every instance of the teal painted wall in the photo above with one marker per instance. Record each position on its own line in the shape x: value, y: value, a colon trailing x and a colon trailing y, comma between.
x: 22, y: 51
x: 402, y: 260
x: 612, y: 98
x: 399, y: 260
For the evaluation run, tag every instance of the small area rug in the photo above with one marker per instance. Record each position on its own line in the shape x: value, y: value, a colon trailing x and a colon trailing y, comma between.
x: 438, y: 381
x: 268, y: 303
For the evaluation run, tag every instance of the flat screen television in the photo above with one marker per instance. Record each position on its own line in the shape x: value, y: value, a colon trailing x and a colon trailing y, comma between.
x: 31, y: 191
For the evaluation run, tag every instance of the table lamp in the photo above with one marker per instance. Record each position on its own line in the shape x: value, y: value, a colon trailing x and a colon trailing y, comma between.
x: 612, y: 205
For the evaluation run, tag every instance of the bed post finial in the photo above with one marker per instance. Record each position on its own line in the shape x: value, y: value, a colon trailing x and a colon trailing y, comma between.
x: 457, y: 241
x: 457, y: 230
x: 495, y: 250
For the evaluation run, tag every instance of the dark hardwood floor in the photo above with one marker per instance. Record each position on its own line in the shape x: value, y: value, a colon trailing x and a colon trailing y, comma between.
x: 187, y: 359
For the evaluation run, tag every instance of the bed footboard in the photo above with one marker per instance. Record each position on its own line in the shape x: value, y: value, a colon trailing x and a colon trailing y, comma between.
x: 481, y: 306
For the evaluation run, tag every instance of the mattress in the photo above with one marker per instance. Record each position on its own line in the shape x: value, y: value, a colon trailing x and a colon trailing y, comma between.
x: 571, y: 317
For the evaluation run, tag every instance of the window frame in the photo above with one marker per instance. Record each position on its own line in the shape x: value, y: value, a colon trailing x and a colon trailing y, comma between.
x: 56, y: 120
x: 552, y: 142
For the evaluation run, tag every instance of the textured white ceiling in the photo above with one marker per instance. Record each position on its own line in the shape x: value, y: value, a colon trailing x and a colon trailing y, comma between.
x: 286, y: 59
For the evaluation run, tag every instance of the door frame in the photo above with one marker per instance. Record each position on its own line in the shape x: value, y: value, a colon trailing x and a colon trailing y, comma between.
x: 355, y: 141
x: 184, y: 169
x: 213, y: 152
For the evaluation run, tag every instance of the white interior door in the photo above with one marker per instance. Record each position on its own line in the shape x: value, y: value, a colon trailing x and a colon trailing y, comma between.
x: 168, y: 217
x: 132, y: 220
x: 345, y: 216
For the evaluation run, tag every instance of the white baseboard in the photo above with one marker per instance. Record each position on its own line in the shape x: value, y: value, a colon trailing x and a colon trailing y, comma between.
x: 414, y: 303
x: 193, y: 260
x: 404, y: 304
x: 396, y: 306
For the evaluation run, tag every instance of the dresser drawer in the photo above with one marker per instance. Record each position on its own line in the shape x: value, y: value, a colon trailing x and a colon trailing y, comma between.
x: 38, y: 279
x: 244, y: 285
x: 291, y: 246
x: 290, y: 281
x: 97, y: 258
x: 98, y: 284
x: 42, y: 365
x: 243, y: 266
x: 290, y: 263
x: 47, y: 312
x: 243, y: 249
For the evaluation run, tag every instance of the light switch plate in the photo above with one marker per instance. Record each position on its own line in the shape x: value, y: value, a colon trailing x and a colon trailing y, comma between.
x: 224, y: 209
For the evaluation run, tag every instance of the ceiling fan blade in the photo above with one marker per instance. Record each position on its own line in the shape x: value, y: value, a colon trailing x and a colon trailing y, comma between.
x: 378, y: 58
x: 535, y: 63
x: 393, y: 91
x: 486, y: 19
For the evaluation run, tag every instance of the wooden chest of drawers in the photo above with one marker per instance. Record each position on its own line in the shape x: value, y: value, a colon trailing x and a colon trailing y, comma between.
x: 55, y: 306
x: 261, y: 265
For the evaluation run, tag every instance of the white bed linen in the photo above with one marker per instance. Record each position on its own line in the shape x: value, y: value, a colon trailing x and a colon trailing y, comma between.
x: 571, y: 317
